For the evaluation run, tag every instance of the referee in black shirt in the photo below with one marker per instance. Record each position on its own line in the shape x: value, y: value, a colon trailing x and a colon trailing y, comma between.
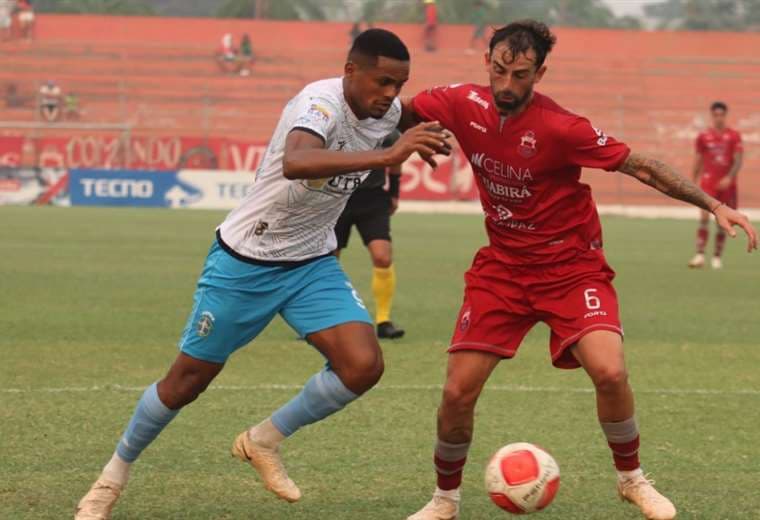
x: 370, y: 209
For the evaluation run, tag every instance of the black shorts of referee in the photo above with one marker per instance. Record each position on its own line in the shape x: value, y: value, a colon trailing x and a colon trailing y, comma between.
x: 370, y: 211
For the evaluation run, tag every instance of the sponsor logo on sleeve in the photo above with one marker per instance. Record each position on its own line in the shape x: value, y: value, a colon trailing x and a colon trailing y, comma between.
x: 601, y: 137
x: 475, y: 98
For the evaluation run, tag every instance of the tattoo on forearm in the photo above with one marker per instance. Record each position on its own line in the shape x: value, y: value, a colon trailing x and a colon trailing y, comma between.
x: 665, y: 179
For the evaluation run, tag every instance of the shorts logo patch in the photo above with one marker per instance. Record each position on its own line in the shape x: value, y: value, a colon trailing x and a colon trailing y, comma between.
x: 205, y: 324
x: 464, y: 322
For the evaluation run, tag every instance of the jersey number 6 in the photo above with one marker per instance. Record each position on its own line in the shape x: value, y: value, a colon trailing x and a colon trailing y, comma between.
x: 592, y: 301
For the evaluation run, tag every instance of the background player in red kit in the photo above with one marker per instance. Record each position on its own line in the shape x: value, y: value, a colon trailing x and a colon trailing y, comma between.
x: 544, y: 261
x: 719, y: 157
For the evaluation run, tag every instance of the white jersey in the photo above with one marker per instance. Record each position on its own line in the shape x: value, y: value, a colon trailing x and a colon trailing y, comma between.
x: 282, y: 220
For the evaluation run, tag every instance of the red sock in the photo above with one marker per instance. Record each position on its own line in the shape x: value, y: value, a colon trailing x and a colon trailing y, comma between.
x: 449, y: 473
x: 449, y: 464
x: 702, y: 235
x: 623, y: 439
x: 626, y: 455
x: 720, y: 240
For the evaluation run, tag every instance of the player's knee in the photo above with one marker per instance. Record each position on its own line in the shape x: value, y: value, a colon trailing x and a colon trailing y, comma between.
x: 610, y: 380
x: 459, y: 398
x: 183, y: 390
x: 363, y: 370
x: 382, y: 260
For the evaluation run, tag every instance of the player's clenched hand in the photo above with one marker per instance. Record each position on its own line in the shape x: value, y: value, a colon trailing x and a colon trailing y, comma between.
x: 727, y: 218
x: 427, y: 139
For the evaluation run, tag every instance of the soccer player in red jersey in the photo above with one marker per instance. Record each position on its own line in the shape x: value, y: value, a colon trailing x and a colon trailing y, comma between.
x: 544, y: 261
x: 719, y: 157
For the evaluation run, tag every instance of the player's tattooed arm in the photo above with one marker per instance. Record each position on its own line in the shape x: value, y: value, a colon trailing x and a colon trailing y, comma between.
x: 665, y: 179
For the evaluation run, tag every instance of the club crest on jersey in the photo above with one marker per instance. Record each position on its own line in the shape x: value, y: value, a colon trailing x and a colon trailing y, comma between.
x: 527, y: 147
x: 205, y: 324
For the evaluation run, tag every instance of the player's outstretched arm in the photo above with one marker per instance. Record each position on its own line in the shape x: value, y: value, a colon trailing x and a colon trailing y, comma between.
x: 305, y: 155
x: 665, y: 179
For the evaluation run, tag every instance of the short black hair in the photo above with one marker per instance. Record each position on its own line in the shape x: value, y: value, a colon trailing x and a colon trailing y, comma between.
x: 719, y: 105
x: 374, y: 43
x: 523, y: 35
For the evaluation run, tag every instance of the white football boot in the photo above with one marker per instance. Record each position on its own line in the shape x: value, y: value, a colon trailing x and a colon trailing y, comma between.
x: 640, y: 491
x: 716, y: 263
x: 697, y: 262
x: 99, y: 501
x: 441, y: 507
x: 267, y: 462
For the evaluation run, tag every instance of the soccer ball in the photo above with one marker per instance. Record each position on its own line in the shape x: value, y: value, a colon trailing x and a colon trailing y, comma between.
x: 522, y: 478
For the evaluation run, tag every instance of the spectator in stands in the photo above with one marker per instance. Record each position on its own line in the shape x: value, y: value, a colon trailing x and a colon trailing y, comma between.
x: 6, y: 19
x: 50, y: 101
x: 229, y: 52
x: 227, y: 55
x: 71, y: 108
x: 431, y: 25
x: 246, y: 57
x: 479, y: 19
x: 13, y: 98
x: 25, y: 16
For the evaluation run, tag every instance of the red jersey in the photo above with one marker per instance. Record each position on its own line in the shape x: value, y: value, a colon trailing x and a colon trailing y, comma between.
x: 527, y: 170
x: 431, y: 14
x: 717, y: 149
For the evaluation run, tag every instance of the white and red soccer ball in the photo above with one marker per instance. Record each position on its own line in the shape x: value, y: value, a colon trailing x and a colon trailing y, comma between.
x: 522, y: 478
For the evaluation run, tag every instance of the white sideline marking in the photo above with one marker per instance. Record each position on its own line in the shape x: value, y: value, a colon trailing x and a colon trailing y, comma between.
x: 403, y: 388
x: 633, y: 211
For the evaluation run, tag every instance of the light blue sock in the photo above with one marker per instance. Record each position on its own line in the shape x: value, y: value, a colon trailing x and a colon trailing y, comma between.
x: 323, y: 395
x: 150, y: 417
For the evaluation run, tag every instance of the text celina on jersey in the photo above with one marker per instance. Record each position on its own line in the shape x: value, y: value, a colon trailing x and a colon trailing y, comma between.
x: 283, y: 220
x: 527, y: 169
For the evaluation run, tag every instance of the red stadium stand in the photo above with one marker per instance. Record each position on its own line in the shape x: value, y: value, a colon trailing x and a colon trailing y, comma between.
x: 158, y: 75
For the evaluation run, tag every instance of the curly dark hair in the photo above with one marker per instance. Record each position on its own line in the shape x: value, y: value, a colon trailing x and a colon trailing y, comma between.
x: 523, y: 35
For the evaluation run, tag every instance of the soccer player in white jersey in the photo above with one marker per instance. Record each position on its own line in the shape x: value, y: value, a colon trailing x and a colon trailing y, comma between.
x: 272, y: 255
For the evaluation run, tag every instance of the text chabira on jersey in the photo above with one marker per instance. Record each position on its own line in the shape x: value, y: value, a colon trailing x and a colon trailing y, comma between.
x: 527, y: 170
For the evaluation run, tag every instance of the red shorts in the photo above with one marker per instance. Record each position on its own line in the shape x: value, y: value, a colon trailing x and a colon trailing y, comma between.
x: 503, y: 302
x: 729, y: 196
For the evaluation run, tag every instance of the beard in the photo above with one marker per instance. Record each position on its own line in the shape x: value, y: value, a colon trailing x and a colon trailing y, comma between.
x: 512, y: 102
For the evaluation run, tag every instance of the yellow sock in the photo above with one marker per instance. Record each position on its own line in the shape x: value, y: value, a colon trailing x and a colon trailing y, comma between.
x: 383, y: 288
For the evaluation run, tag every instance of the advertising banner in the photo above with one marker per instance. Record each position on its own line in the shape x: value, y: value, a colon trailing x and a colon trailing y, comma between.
x: 202, y: 189
x: 27, y: 186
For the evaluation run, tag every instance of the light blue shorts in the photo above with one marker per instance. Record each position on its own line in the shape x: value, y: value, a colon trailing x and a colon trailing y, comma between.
x: 235, y: 300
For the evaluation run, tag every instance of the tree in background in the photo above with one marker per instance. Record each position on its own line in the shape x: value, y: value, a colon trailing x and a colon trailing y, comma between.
x: 273, y: 9
x: 120, y: 7
x: 574, y: 13
x: 701, y: 15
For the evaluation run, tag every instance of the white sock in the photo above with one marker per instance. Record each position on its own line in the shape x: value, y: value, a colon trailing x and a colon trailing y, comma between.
x: 628, y: 475
x: 451, y: 494
x: 266, y: 434
x: 117, y: 470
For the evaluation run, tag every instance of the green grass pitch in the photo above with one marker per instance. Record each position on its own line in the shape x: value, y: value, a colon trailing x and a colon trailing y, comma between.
x: 92, y: 302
